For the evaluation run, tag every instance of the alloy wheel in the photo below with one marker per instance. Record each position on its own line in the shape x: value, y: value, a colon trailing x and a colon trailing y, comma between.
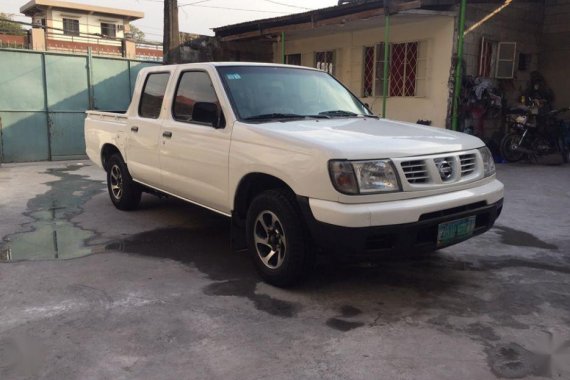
x: 116, y: 182
x: 269, y: 238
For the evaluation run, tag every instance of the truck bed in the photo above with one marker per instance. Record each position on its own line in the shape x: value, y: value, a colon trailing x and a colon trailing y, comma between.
x: 118, y: 116
x: 103, y: 127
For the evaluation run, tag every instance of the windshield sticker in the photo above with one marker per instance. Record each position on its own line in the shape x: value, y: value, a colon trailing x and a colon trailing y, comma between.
x: 233, y: 76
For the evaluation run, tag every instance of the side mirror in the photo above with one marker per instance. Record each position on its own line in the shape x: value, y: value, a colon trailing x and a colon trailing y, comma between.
x: 208, y: 113
x: 367, y: 106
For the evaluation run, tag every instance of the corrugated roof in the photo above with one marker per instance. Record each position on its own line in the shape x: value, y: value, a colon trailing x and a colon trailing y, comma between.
x: 298, y: 18
x: 331, y: 12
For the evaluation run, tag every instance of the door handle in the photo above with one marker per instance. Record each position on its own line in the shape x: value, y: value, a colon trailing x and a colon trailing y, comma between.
x: 167, y: 134
x: 134, y: 129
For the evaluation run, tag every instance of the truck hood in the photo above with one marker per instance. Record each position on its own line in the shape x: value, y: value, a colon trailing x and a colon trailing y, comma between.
x: 363, y: 138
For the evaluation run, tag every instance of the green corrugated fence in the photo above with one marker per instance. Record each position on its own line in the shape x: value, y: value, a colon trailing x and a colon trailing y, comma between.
x: 44, y: 96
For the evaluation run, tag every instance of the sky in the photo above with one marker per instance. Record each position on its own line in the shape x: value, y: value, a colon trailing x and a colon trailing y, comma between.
x: 197, y: 16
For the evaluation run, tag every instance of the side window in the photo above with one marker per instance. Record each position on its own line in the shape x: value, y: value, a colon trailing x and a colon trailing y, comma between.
x: 152, y: 95
x: 70, y: 27
x: 194, y: 87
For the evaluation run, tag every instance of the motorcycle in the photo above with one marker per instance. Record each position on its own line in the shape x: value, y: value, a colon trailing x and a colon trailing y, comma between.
x: 533, y: 134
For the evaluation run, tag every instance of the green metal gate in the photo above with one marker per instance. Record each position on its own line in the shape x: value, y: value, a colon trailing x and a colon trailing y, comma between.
x: 44, y: 96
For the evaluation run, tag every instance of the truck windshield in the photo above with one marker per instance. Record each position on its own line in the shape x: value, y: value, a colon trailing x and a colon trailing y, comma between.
x: 265, y: 93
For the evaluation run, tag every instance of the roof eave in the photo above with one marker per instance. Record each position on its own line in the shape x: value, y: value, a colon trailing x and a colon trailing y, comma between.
x: 311, y: 19
x: 30, y: 7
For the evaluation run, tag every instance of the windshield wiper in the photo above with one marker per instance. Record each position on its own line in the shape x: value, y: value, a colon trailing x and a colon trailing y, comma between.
x: 342, y: 113
x: 272, y: 116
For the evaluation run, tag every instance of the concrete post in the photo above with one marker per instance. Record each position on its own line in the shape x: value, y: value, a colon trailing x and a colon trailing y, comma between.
x: 38, y: 39
x: 129, y: 49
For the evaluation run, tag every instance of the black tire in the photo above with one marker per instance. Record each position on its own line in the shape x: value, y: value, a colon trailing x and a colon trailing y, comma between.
x: 507, y: 144
x: 124, y: 192
x: 292, y: 256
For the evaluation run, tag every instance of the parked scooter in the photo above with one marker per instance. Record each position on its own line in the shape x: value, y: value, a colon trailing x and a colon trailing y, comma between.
x: 533, y: 133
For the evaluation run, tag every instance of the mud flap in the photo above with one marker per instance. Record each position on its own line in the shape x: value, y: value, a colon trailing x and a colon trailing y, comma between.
x: 238, y: 238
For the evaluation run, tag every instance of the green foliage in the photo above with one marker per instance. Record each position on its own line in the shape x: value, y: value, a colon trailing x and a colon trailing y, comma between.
x: 138, y: 35
x: 9, y: 27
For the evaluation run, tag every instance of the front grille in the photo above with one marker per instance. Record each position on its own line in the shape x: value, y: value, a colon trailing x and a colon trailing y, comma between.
x: 423, y: 172
x: 415, y: 171
x: 468, y: 163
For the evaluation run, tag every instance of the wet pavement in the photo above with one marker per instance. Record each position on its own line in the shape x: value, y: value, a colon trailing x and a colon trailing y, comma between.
x: 90, y: 292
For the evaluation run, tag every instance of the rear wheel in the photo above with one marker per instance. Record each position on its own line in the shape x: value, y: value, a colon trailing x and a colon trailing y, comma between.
x: 509, y: 148
x: 124, y: 192
x: 276, y: 238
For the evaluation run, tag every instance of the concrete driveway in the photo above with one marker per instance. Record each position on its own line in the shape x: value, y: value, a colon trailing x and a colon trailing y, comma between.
x: 158, y: 294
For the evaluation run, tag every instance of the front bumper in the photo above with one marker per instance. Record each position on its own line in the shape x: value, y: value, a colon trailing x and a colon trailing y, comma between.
x: 369, y: 241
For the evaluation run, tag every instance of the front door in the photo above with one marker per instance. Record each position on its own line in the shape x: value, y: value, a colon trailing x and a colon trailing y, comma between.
x: 194, y: 154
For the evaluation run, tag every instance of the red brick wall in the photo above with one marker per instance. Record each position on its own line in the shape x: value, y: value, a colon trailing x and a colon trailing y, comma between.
x: 69, y: 46
x: 13, y: 40
x: 149, y: 52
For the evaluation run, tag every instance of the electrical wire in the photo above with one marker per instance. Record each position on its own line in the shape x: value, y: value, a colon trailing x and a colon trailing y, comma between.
x: 236, y: 9
x: 194, y: 3
x: 286, y: 5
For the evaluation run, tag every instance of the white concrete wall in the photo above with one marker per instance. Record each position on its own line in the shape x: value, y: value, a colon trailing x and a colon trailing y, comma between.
x: 436, y: 31
x: 88, y: 24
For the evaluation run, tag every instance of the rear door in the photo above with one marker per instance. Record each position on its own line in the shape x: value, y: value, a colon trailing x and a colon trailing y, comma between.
x: 143, y: 153
x: 194, y: 155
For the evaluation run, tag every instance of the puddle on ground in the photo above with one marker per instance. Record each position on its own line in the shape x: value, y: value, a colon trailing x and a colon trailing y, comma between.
x: 513, y: 361
x: 342, y: 325
x: 519, y: 238
x: 51, y: 234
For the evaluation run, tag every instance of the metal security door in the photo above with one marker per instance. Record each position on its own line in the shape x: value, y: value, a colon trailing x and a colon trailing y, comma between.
x: 67, y: 99
x: 23, y: 121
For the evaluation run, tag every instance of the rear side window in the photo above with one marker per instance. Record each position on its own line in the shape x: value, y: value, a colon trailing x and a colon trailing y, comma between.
x: 153, y: 95
x: 194, y: 87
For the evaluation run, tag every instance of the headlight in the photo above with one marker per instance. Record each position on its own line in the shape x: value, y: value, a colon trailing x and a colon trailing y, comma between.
x: 488, y: 162
x: 364, y: 177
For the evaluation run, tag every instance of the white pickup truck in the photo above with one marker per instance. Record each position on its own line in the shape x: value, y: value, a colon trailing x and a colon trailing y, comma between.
x: 297, y: 161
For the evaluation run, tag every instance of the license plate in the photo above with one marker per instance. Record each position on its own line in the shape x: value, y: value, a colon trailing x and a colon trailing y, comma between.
x: 455, y: 230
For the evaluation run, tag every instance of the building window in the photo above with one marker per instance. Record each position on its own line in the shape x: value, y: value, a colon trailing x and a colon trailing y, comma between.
x: 324, y: 60
x: 379, y: 78
x: 368, y: 74
x: 153, y: 95
x: 487, y: 57
x: 108, y: 30
x: 506, y: 60
x: 293, y: 59
x: 497, y: 59
x: 406, y: 70
x: 70, y: 27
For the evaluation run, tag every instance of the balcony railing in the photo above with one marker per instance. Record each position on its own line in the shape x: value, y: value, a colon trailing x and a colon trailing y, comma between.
x: 13, y: 40
x: 81, y: 44
x: 149, y: 51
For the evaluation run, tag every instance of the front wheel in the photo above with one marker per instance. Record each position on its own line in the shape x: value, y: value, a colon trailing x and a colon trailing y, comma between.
x: 124, y: 192
x: 509, y: 148
x: 276, y: 238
